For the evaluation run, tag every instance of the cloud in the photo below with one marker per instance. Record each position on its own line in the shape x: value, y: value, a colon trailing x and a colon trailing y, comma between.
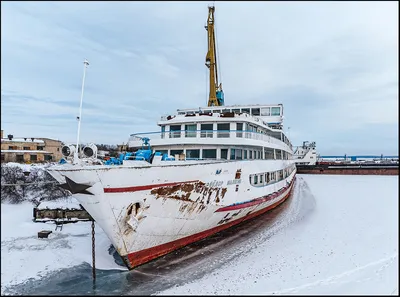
x: 334, y: 66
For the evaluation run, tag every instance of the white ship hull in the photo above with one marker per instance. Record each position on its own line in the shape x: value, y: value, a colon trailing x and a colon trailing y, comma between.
x: 150, y: 210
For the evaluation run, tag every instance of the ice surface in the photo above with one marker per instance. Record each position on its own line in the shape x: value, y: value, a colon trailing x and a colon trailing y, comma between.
x: 25, y: 256
x: 346, y: 243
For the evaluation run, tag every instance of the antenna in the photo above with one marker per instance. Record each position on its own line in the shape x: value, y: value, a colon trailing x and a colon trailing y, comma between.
x: 76, y: 158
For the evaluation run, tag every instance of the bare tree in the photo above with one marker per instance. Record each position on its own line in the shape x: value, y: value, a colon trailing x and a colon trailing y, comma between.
x: 12, y: 180
x: 38, y: 186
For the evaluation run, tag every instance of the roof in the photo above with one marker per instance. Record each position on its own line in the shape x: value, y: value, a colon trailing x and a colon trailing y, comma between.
x: 24, y: 151
x: 22, y: 140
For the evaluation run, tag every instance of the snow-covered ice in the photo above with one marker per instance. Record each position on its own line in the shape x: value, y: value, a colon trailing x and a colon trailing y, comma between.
x: 345, y: 241
x: 348, y: 245
x: 25, y: 256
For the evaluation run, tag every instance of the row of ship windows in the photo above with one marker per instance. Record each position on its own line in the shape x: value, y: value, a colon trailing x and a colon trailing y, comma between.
x: 228, y: 154
x: 207, y: 129
x: 265, y: 178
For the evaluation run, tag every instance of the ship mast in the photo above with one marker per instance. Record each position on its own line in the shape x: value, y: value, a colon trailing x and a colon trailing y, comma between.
x: 216, y: 97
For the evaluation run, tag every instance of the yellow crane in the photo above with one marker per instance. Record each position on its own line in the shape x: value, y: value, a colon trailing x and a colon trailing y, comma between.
x: 216, y: 97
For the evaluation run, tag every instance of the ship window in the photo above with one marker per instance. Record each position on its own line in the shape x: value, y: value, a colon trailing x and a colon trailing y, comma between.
x: 162, y: 152
x: 261, y: 178
x: 223, y: 130
x: 255, y: 111
x: 245, y: 154
x: 192, y: 154
x: 250, y: 154
x: 265, y: 111
x: 206, y: 111
x: 239, y: 127
x: 206, y: 130
x: 190, y: 130
x: 162, y: 131
x: 209, y: 153
x: 176, y: 152
x: 238, y: 154
x: 224, y: 154
x: 246, y: 110
x: 236, y: 110
x: 255, y: 179
x: 232, y: 157
x: 268, y: 177
x: 175, y: 131
x: 275, y: 111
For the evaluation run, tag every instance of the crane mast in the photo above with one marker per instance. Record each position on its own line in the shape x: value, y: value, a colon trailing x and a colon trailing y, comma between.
x: 216, y: 97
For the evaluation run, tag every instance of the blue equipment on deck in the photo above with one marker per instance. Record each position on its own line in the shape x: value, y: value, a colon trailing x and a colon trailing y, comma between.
x: 144, y: 154
x: 62, y: 161
x: 220, y: 97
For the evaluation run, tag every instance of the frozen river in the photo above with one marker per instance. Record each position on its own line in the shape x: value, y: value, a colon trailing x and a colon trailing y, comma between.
x: 335, y: 235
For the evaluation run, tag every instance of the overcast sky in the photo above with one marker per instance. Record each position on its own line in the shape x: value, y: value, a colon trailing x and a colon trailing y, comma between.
x: 333, y: 65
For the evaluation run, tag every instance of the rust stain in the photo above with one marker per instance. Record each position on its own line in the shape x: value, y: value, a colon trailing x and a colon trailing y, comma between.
x: 183, y: 207
x: 225, y: 219
x: 238, y: 174
x: 201, y: 208
x: 209, y: 196
x: 223, y: 192
x: 184, y: 191
x: 134, y: 211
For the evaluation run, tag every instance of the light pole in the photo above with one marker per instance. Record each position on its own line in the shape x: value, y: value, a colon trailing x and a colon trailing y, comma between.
x: 76, y: 159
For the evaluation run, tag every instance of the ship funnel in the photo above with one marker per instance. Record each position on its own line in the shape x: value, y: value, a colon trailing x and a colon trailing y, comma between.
x: 90, y: 151
x: 68, y: 150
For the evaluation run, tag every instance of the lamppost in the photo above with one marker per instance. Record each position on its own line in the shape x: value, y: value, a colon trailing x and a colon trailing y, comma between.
x: 76, y: 158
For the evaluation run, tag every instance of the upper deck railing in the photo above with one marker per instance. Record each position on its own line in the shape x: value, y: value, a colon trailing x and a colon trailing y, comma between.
x: 276, y: 124
x: 201, y: 134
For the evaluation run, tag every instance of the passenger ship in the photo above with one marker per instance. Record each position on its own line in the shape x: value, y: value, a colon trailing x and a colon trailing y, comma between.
x: 206, y: 170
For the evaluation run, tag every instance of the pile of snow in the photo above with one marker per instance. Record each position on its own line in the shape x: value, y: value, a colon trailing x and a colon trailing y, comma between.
x: 67, y: 203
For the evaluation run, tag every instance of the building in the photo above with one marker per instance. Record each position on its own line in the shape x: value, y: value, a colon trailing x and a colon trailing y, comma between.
x: 29, y: 150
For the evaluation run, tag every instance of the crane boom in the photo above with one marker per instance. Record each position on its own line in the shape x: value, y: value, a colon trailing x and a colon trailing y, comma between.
x: 216, y: 97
